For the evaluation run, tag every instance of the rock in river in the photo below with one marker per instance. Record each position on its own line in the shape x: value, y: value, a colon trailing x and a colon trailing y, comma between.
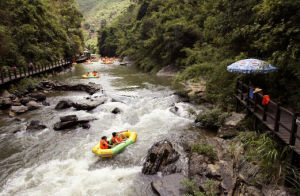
x: 63, y: 104
x: 5, y: 103
x: 88, y: 105
x: 68, y: 118
x: 35, y: 125
x: 32, y: 105
x: 19, y: 109
x: 65, y: 125
x: 159, y: 156
x: 90, y: 88
x: 72, y: 121
x: 25, y: 100
x: 38, y: 96
x: 116, y: 111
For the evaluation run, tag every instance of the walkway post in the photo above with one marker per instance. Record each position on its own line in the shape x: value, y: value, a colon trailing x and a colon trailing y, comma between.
x: 277, y: 118
x: 265, y: 112
x: 293, y: 130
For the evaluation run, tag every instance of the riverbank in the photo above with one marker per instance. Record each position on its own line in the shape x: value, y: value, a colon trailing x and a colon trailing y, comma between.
x: 233, y: 160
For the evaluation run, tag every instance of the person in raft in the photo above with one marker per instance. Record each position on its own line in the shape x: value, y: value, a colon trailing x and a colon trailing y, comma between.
x: 87, y: 74
x: 104, y: 144
x: 94, y: 73
x: 117, y: 138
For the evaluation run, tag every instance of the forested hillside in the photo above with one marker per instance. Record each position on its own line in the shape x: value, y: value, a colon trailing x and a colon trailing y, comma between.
x: 201, y: 38
x: 38, y: 31
x: 98, y: 14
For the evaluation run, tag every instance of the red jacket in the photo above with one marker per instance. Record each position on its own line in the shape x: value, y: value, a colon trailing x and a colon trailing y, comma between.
x: 266, y: 100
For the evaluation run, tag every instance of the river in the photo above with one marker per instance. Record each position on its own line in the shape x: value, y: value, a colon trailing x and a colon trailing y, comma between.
x: 50, y: 162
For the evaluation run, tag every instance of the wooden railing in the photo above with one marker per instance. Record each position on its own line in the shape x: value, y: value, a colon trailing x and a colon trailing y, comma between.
x: 10, y: 75
x: 281, y: 121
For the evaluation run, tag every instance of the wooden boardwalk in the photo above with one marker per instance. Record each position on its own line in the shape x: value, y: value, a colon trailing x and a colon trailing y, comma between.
x: 281, y: 121
x: 11, y: 76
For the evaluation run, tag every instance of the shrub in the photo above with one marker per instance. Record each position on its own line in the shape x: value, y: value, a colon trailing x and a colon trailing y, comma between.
x: 192, y: 112
x: 194, y: 72
x: 191, y: 188
x: 212, y: 119
x: 265, y: 151
x: 211, y: 187
x: 24, y: 84
x: 206, y: 150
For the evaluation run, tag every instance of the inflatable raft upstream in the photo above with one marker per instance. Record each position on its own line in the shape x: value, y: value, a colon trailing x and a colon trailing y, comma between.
x: 90, y: 76
x: 131, y: 137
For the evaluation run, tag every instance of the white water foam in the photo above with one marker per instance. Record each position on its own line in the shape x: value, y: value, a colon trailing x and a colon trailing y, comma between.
x: 63, y: 167
x: 70, y: 178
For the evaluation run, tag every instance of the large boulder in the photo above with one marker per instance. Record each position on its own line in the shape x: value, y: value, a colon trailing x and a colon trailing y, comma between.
x: 228, y: 130
x: 116, y: 111
x: 90, y: 88
x: 85, y: 120
x: 32, y: 105
x: 63, y: 104
x: 69, y: 118
x: 126, y: 61
x: 159, y: 156
x: 72, y: 121
x: 88, y: 105
x: 6, y: 94
x: 5, y: 103
x: 65, y: 125
x: 45, y: 103
x: 19, y: 109
x: 169, y: 185
x: 234, y: 119
x: 169, y: 71
x: 86, y: 126
x: 25, y: 100
x: 38, y: 96
x: 35, y: 125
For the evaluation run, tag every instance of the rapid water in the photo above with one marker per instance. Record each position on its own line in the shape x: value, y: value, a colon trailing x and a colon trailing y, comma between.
x: 49, y: 162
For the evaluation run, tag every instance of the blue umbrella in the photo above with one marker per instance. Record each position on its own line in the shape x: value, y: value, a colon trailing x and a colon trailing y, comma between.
x: 251, y: 66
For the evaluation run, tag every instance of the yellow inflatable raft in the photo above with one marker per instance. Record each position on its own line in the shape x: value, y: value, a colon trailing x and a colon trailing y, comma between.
x: 90, y: 76
x: 131, y: 137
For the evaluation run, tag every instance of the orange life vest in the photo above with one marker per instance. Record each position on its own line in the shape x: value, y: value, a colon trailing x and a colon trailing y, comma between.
x: 114, y: 139
x: 266, y: 100
x: 103, y: 145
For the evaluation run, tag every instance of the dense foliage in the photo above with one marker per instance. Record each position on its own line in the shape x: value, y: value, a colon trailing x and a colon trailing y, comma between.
x: 202, y: 37
x: 98, y: 14
x: 271, y: 157
x: 38, y: 31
